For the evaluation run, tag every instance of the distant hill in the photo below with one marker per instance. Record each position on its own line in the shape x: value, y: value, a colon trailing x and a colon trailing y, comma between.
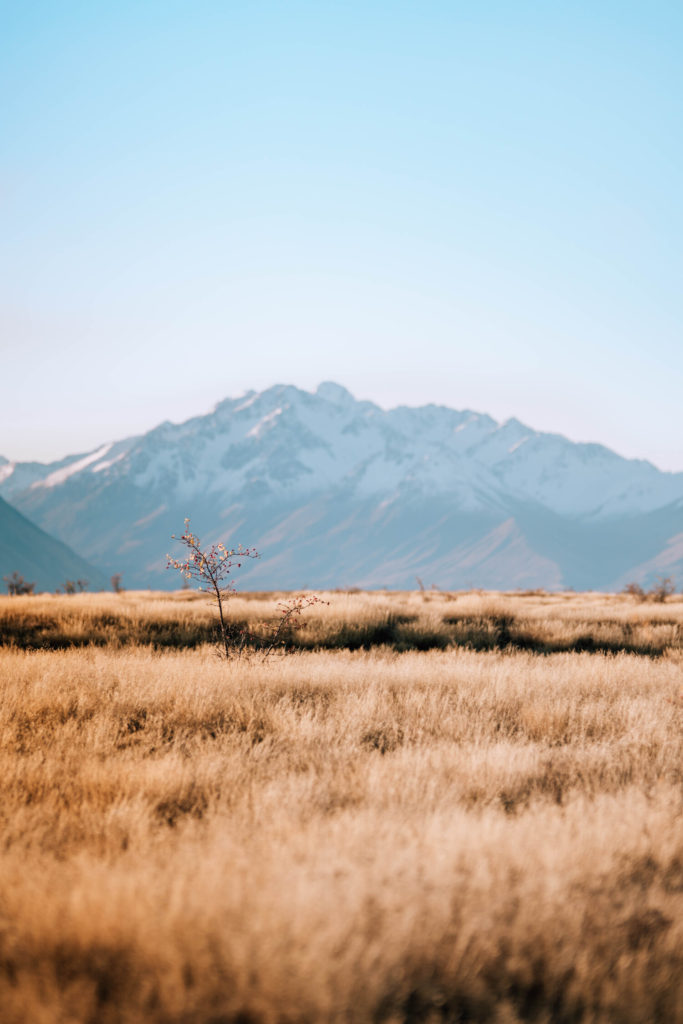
x: 38, y: 557
x: 339, y: 492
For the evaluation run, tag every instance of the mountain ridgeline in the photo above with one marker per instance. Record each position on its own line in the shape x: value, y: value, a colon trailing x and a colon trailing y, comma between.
x: 39, y: 558
x: 338, y: 492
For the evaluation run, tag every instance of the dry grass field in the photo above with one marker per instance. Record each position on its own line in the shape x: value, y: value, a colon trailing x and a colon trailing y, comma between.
x: 434, y: 807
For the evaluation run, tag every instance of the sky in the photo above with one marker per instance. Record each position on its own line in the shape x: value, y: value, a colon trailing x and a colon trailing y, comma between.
x: 473, y: 204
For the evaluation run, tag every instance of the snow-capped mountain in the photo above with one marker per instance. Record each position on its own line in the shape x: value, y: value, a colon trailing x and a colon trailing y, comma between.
x: 337, y: 491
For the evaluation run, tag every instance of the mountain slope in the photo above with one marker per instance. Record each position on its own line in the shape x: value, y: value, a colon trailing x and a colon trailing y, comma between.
x: 39, y: 558
x: 337, y: 492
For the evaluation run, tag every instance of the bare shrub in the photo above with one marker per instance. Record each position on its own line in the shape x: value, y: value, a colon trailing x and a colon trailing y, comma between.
x: 662, y: 589
x: 17, y: 585
x: 634, y: 590
x: 211, y: 568
x: 73, y: 587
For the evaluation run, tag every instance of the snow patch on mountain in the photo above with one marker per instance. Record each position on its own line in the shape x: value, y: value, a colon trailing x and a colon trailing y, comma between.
x: 263, y: 423
x: 107, y: 463
x: 59, y: 476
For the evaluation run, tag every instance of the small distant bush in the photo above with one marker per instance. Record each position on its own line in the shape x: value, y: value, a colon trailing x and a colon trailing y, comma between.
x: 116, y: 584
x: 17, y: 585
x: 662, y: 589
x: 659, y: 592
x: 634, y: 590
x: 73, y: 587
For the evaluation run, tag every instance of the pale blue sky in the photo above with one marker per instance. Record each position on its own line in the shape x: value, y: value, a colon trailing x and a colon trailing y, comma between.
x: 472, y: 204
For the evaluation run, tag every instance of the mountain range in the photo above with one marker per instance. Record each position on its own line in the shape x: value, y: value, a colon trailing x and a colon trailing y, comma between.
x: 38, y: 557
x: 338, y: 492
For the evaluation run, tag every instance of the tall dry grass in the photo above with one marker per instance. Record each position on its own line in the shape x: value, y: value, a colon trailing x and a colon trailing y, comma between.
x: 404, y: 621
x: 342, y: 835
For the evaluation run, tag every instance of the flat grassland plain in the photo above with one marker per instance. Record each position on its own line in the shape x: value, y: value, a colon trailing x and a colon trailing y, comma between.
x: 432, y: 808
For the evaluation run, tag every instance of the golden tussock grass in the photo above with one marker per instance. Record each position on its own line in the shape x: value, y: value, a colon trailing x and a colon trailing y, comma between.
x: 543, y: 623
x: 333, y: 835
